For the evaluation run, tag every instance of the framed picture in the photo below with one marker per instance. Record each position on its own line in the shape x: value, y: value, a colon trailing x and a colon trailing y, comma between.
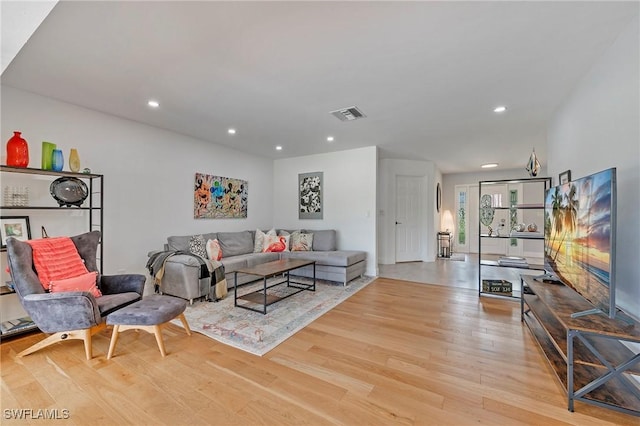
x: 218, y: 197
x: 310, y: 191
x: 565, y: 177
x: 438, y: 197
x: 14, y: 226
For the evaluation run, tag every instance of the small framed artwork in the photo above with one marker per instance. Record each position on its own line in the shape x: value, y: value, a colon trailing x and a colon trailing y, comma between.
x: 14, y: 226
x: 310, y: 192
x: 565, y: 177
x: 438, y: 197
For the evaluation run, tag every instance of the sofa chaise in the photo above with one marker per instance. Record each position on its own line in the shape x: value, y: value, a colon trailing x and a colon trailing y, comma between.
x: 182, y: 272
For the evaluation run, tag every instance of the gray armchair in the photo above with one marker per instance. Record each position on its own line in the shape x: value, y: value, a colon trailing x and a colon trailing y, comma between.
x: 75, y: 314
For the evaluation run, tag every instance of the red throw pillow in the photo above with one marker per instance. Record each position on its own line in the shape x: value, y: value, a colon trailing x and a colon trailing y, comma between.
x: 56, y: 259
x: 85, y: 282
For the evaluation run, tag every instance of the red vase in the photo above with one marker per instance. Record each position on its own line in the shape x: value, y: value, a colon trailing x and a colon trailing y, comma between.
x: 17, y: 151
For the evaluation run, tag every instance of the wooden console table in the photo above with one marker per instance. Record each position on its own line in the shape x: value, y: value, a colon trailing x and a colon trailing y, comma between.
x: 587, y: 353
x: 270, y: 270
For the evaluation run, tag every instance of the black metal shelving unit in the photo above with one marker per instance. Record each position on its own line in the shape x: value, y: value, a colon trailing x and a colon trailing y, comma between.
x: 93, y: 204
x: 545, y: 184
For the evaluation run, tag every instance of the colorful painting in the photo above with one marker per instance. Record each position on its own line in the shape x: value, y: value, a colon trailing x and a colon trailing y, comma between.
x: 217, y: 197
x: 310, y: 195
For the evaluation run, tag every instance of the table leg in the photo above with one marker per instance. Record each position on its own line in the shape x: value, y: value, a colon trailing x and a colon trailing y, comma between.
x: 235, y: 289
x: 570, y: 334
x: 264, y: 306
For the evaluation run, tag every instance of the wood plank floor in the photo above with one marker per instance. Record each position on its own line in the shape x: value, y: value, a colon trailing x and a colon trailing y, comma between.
x: 397, y: 352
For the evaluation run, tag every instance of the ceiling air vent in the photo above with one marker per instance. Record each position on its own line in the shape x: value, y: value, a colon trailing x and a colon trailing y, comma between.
x: 348, y: 114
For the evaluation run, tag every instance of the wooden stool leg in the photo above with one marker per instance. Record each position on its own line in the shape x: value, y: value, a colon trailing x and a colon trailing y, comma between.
x: 185, y: 324
x: 157, y: 330
x: 114, y: 339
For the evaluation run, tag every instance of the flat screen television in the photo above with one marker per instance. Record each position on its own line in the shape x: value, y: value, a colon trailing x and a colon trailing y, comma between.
x: 580, y: 237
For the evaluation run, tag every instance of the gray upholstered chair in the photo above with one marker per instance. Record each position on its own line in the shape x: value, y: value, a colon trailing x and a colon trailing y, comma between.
x: 69, y: 315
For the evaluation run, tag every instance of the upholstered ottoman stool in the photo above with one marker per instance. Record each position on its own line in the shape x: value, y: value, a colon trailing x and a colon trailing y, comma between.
x: 148, y: 314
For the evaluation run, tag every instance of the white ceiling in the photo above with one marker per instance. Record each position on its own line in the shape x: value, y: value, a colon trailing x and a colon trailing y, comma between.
x: 426, y: 74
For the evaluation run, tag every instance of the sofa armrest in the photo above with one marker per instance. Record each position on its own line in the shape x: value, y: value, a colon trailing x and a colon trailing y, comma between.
x: 65, y: 311
x: 182, y: 259
x: 124, y: 283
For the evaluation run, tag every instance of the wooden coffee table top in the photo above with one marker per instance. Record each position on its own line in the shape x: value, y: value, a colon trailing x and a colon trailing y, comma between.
x: 276, y: 267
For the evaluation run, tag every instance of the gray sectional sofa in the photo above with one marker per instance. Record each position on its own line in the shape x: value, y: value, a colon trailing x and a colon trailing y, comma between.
x: 182, y: 272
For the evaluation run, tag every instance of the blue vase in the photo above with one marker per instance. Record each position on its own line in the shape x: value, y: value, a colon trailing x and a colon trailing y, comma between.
x: 57, y: 162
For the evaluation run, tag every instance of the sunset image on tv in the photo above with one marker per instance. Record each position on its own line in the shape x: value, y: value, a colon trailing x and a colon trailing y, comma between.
x: 579, y: 217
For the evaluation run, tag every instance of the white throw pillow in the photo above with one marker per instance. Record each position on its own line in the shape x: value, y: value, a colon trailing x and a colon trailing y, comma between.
x: 301, y: 241
x: 258, y: 245
x: 214, y: 252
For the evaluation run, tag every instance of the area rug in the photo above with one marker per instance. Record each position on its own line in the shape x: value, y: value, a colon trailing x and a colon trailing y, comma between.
x: 257, y: 333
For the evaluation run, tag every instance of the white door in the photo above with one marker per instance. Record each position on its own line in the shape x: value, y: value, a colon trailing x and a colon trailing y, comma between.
x: 409, y: 214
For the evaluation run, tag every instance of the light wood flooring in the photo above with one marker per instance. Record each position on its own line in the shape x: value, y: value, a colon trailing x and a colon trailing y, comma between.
x: 396, y: 352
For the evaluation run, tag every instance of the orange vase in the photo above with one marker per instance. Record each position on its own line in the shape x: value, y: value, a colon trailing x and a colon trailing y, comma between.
x: 17, y: 151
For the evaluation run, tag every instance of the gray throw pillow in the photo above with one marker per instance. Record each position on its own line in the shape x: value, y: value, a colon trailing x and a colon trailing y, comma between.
x: 324, y: 240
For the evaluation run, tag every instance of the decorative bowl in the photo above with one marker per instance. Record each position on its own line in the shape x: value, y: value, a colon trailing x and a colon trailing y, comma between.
x: 69, y: 191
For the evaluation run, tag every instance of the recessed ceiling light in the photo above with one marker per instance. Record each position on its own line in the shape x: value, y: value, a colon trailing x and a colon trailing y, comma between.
x: 489, y: 165
x: 278, y: 148
x: 500, y: 109
x: 153, y: 104
x: 329, y: 138
x: 231, y: 131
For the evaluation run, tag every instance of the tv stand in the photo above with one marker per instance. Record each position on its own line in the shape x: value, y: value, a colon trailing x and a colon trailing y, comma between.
x: 594, y: 311
x: 548, y: 278
x: 585, y: 352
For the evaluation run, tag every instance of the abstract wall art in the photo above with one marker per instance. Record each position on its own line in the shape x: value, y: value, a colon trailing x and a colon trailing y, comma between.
x: 310, y: 191
x: 217, y: 197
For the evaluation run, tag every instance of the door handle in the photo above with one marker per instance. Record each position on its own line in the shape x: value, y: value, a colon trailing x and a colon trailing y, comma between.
x: 398, y: 223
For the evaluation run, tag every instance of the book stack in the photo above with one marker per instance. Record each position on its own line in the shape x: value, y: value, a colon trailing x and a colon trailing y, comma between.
x: 513, y: 261
x: 15, y: 325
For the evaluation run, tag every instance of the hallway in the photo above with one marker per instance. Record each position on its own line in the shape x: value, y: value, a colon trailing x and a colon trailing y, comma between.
x: 452, y: 273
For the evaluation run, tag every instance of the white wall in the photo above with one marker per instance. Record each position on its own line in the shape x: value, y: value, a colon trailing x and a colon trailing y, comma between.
x: 349, y: 197
x: 598, y: 127
x: 389, y: 169
x: 149, y: 174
